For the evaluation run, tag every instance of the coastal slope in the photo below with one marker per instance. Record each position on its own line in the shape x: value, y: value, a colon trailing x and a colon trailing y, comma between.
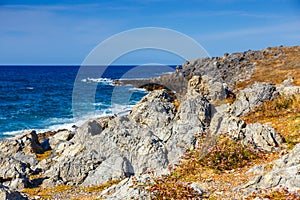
x: 210, y: 131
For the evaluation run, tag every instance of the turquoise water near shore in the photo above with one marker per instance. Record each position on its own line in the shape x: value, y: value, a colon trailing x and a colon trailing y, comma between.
x: 40, y: 97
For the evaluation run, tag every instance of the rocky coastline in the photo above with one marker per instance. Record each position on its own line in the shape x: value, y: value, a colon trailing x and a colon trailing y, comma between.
x: 206, y: 96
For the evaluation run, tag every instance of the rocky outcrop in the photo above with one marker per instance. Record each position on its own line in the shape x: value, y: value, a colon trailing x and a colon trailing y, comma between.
x: 129, y: 188
x: 229, y: 69
x: 8, y: 194
x: 208, y: 87
x: 156, y: 133
x: 19, y: 152
x: 262, y: 137
x: 287, y: 88
x: 151, y: 137
x: 15, y: 177
x: 283, y: 172
x: 251, y: 97
x: 154, y: 110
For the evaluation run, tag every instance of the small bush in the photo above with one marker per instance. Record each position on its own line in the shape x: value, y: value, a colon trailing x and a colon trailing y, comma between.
x: 171, y: 187
x: 227, y: 154
x: 209, y: 157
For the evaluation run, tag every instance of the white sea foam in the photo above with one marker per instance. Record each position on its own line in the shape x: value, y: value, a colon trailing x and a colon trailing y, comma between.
x: 69, y: 123
x: 107, y: 81
x: 138, y: 89
x: 11, y: 133
x: 29, y: 88
x: 99, y: 104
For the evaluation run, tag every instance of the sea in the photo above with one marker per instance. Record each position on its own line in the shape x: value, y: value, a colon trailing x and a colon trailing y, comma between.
x: 42, y: 97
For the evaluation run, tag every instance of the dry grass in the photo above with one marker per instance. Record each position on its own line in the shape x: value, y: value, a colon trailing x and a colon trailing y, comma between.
x: 46, y: 193
x: 221, y: 170
x: 278, y: 194
x: 43, y: 156
x: 275, y: 69
x: 283, y: 114
x: 69, y: 192
x: 176, y: 104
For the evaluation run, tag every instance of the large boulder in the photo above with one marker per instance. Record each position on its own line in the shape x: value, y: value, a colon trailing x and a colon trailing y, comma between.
x: 91, y: 127
x: 154, y: 110
x: 208, y: 87
x: 262, y: 137
x: 251, y: 97
x: 129, y: 188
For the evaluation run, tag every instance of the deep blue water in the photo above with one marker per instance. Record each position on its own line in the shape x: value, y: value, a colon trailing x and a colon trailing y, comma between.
x: 40, y: 97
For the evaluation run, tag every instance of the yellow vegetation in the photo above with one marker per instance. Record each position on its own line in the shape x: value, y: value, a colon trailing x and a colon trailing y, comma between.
x: 176, y: 104
x: 283, y: 114
x: 72, y: 192
x: 276, y: 69
x: 46, y: 193
x: 43, y: 156
x: 219, y: 171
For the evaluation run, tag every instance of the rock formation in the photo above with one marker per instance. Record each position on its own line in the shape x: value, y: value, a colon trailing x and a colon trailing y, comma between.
x: 155, y: 134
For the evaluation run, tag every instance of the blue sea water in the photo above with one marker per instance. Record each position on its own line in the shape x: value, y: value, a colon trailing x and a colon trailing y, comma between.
x: 40, y: 97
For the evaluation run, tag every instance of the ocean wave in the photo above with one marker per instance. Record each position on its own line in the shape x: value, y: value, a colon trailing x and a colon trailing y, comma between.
x: 121, y: 109
x: 12, y: 133
x: 99, y: 104
x: 138, y: 89
x: 55, y: 124
x: 107, y: 81
x: 29, y: 88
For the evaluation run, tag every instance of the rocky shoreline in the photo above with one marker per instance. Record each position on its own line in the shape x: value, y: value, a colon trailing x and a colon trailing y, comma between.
x: 135, y: 148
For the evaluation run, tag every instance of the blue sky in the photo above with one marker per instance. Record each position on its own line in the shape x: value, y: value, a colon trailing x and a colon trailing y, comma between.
x: 64, y: 32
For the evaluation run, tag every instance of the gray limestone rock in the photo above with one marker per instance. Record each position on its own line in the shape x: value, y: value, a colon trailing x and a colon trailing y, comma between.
x: 124, y: 147
x: 284, y: 172
x: 262, y: 136
x: 129, y: 188
x: 8, y: 194
x: 208, y: 87
x: 154, y: 110
x: 13, y: 173
x: 252, y: 97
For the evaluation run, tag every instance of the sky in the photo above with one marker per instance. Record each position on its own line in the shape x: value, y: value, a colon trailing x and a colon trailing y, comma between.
x: 51, y: 32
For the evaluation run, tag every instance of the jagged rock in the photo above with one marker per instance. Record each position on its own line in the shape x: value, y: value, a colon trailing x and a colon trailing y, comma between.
x: 26, y: 142
x: 155, y: 109
x: 195, y: 111
x: 289, y: 91
x: 115, y: 167
x: 32, y: 144
x: 14, y: 149
x: 286, y: 88
x: 13, y: 173
x: 233, y: 126
x: 262, y: 136
x: 252, y: 97
x: 18, y: 159
x: 284, y: 172
x: 73, y: 165
x: 91, y: 127
x: 59, y: 137
x: 207, y: 87
x: 124, y: 147
x: 129, y: 188
x: 8, y: 194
